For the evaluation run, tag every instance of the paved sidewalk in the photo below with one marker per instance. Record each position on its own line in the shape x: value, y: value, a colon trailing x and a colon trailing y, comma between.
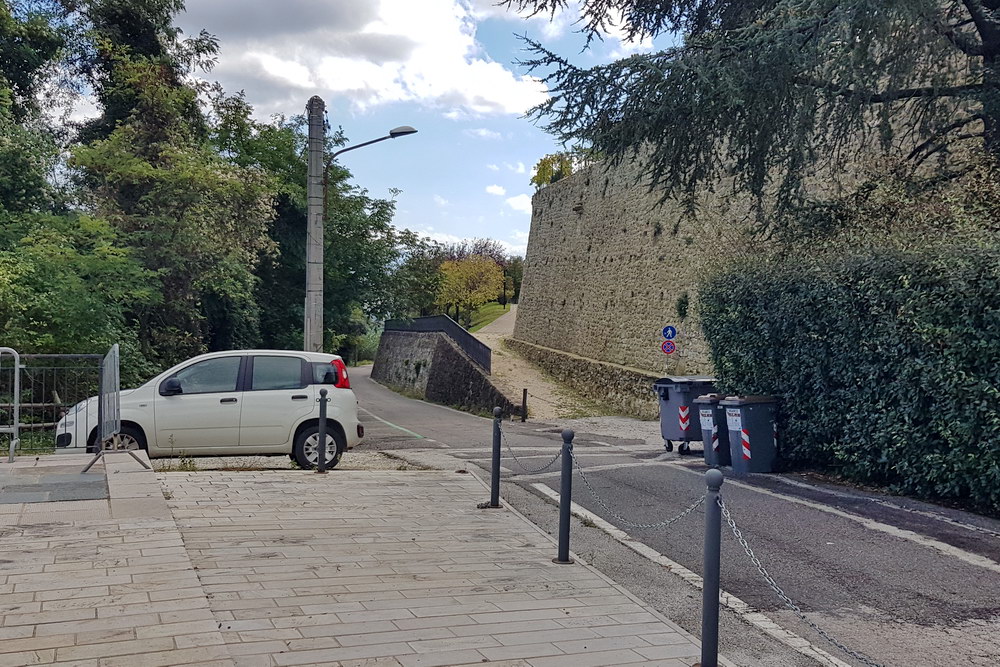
x: 100, y: 583
x: 399, y: 568
x: 292, y: 568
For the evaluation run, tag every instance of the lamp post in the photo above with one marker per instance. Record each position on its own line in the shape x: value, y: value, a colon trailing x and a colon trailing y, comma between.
x: 313, y: 319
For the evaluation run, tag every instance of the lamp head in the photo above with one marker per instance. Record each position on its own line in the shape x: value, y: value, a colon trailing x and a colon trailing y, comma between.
x: 401, y: 131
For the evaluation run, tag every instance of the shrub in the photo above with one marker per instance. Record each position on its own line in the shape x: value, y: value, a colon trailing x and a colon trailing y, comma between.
x: 887, y: 360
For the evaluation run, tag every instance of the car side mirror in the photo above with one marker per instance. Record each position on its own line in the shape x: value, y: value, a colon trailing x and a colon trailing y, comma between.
x: 171, y: 387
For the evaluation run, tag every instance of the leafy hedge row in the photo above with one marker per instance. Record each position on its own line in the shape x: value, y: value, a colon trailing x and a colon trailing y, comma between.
x: 888, y: 362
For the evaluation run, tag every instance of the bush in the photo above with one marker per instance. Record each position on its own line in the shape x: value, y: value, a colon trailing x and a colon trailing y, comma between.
x: 888, y: 362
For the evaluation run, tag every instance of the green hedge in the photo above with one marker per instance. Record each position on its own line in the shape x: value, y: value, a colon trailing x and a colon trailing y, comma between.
x: 888, y: 362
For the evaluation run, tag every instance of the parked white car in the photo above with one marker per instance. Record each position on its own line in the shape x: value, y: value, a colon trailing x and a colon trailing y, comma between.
x: 231, y: 404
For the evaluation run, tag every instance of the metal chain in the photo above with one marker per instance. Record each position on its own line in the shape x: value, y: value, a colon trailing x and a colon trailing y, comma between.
x: 860, y: 657
x: 530, y: 471
x: 621, y: 519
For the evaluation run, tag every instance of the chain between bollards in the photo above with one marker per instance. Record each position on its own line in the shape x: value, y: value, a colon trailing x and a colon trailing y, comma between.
x: 710, y: 590
x: 321, y: 435
x: 565, y: 498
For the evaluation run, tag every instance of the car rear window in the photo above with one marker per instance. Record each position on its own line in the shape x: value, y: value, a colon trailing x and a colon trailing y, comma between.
x: 321, y: 371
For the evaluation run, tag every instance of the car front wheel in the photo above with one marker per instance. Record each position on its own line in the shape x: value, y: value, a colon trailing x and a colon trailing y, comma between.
x: 306, y: 450
x: 128, y: 438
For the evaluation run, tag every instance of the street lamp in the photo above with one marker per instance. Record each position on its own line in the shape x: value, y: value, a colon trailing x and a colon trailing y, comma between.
x: 401, y: 131
x: 313, y: 317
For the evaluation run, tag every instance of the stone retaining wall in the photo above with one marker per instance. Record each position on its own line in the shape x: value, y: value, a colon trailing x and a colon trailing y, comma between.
x: 431, y: 366
x: 624, y: 389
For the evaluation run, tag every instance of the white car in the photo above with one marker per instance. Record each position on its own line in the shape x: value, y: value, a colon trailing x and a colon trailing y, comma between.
x: 232, y: 404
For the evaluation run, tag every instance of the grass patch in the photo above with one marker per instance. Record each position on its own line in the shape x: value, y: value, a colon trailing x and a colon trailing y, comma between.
x: 485, y: 314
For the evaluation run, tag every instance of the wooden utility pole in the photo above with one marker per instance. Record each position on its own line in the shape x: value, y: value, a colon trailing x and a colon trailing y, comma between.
x: 313, y: 321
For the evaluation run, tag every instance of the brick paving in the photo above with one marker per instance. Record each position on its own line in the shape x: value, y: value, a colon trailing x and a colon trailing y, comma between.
x: 380, y: 568
x: 399, y: 568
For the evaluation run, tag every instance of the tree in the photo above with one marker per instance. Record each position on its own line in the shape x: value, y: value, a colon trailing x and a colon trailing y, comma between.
x: 418, y: 279
x: 469, y: 283
x: 769, y: 91
x: 197, y: 221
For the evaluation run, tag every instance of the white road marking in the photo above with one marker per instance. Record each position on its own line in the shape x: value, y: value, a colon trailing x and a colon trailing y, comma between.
x: 738, y: 606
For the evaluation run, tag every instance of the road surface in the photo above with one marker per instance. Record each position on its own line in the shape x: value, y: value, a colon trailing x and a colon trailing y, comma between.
x: 904, y: 582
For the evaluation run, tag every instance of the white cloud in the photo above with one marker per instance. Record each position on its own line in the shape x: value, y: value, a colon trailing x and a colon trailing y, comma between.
x: 520, y: 203
x: 370, y: 53
x: 483, y: 133
x: 496, y: 190
x: 518, y: 247
x: 440, y: 201
x: 493, y: 167
x: 516, y: 168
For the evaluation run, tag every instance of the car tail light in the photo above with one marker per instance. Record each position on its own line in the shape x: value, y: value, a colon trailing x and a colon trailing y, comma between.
x: 343, y: 382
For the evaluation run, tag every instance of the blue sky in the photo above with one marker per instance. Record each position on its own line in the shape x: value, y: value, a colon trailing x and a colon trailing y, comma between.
x: 446, y: 67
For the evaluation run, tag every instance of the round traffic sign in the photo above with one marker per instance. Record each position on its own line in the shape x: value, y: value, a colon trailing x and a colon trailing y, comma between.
x: 668, y: 347
x: 669, y: 332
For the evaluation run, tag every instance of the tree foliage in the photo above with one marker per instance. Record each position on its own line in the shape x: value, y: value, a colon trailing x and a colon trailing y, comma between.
x: 469, y: 283
x: 772, y: 92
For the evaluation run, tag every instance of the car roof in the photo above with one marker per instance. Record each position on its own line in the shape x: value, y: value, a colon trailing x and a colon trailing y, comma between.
x: 309, y: 356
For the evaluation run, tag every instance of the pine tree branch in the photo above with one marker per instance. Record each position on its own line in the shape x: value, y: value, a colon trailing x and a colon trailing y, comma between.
x: 957, y: 125
x: 888, y: 96
x: 986, y: 24
x: 960, y: 40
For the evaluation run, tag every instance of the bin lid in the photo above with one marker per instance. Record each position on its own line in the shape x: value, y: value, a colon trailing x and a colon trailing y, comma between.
x: 709, y: 398
x: 746, y: 400
x: 688, y: 379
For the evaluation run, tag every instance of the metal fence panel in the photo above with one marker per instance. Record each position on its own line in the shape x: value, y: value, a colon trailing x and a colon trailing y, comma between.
x: 10, y: 408
x: 479, y: 352
x: 109, y: 406
x: 50, y: 385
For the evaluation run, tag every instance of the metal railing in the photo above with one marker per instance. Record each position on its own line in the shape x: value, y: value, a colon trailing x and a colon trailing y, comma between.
x: 480, y: 353
x: 12, y: 430
x: 49, y: 386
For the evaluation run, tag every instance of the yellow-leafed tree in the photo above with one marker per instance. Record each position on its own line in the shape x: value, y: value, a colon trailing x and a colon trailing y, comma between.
x: 469, y: 283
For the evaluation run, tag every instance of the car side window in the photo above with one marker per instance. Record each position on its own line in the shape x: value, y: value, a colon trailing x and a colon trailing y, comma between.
x: 276, y: 373
x: 210, y: 376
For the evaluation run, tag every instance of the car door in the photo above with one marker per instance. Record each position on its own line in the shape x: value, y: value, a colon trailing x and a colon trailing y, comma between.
x: 277, y: 396
x: 205, y: 415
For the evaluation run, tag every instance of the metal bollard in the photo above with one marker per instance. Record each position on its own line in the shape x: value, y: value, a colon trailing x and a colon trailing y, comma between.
x: 524, y: 406
x: 710, y: 591
x: 321, y: 446
x: 495, y: 476
x: 565, y: 499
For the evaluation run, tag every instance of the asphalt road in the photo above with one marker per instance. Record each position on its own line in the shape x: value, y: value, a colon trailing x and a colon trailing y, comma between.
x: 904, y: 582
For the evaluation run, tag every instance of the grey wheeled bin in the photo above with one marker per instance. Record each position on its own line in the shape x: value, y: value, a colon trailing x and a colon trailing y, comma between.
x: 677, y: 421
x: 753, y: 438
x: 714, y: 434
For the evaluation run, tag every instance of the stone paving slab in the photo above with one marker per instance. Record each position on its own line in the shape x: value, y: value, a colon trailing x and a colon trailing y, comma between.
x: 90, y: 583
x: 399, y: 568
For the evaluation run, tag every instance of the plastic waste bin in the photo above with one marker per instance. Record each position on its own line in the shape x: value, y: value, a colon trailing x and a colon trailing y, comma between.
x: 677, y: 394
x: 753, y: 442
x: 714, y: 433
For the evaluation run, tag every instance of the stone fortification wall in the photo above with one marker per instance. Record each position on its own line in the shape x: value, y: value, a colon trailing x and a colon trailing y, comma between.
x: 607, y: 268
x: 431, y: 366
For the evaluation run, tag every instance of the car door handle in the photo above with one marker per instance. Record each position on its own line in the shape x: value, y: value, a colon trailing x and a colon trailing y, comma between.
x: 300, y: 397
x: 227, y: 400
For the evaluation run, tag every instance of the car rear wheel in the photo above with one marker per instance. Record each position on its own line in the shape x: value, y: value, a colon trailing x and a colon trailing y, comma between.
x: 306, y: 450
x: 129, y: 437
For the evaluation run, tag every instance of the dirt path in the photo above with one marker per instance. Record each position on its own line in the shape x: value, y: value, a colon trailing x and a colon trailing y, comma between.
x: 512, y: 373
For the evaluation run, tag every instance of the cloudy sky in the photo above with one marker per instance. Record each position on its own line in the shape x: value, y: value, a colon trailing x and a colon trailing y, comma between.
x: 446, y: 67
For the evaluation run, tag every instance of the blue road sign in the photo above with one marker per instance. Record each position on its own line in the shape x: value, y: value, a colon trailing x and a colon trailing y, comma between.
x: 669, y: 332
